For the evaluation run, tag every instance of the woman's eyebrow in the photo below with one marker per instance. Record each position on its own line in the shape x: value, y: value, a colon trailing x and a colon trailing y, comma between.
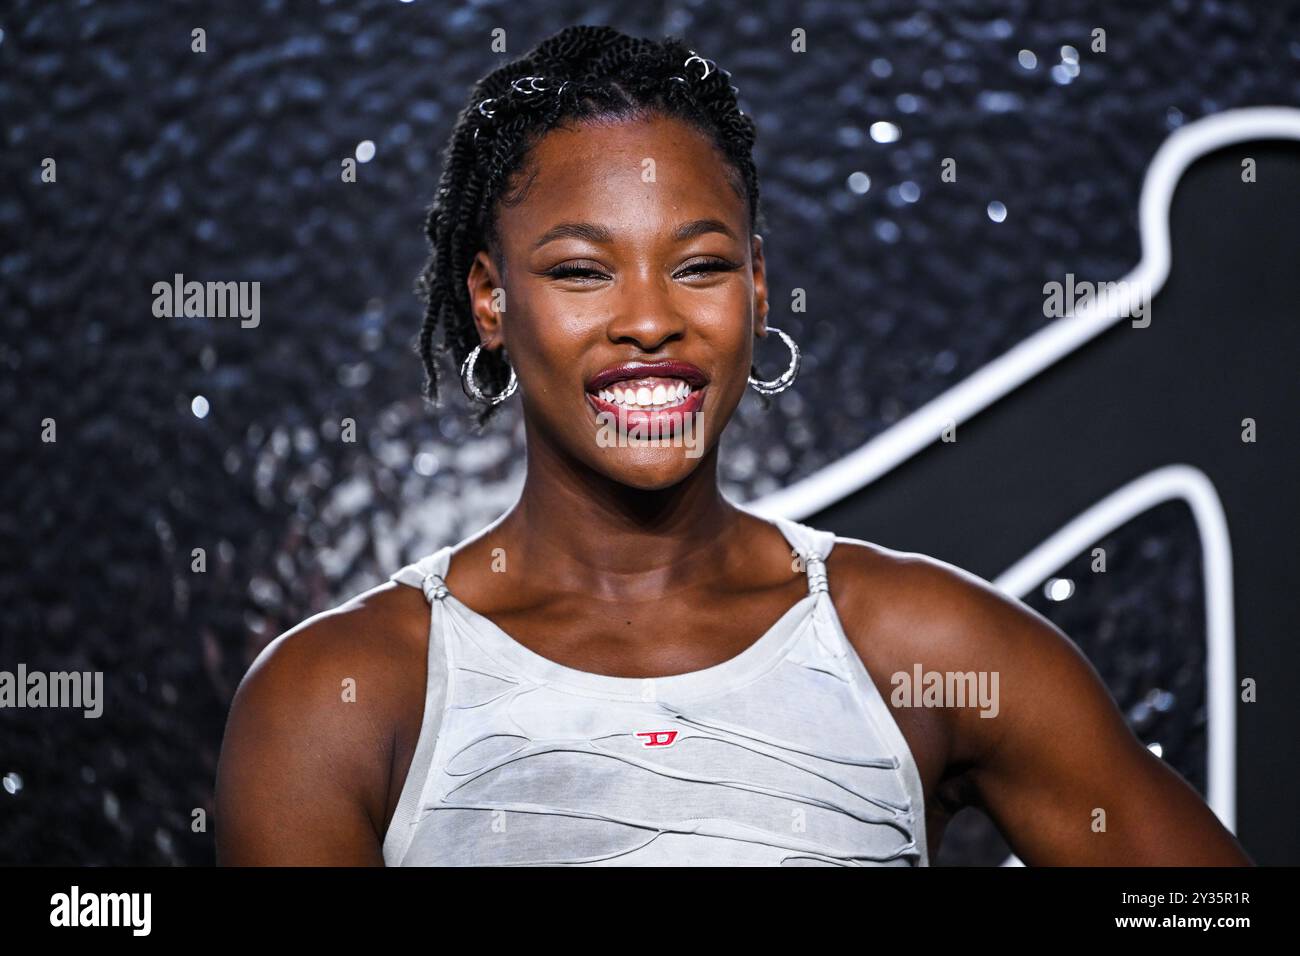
x: 575, y: 230
x: 599, y: 235
x: 698, y: 227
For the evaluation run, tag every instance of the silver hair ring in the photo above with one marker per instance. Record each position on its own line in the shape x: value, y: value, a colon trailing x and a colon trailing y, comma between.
x: 470, y: 387
x: 786, y: 378
x: 532, y: 81
x: 708, y: 64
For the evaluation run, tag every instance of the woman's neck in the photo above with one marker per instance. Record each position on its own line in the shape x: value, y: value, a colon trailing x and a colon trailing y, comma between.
x: 614, y: 541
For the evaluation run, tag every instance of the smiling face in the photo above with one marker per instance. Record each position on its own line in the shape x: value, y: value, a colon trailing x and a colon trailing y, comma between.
x: 633, y: 292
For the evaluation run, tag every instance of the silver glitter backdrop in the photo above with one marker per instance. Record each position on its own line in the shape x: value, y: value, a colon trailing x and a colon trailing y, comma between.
x: 225, y: 165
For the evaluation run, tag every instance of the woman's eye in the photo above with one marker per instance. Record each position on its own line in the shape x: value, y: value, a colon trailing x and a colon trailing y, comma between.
x: 709, y: 265
x: 567, y: 272
x: 695, y: 268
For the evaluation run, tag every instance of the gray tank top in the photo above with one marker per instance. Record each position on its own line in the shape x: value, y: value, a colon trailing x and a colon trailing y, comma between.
x: 785, y: 754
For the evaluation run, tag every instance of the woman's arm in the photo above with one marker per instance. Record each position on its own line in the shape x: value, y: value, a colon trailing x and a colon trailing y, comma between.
x: 1058, y: 769
x: 302, y: 777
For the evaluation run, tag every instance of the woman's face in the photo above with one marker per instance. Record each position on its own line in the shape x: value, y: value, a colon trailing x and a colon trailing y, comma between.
x: 631, y: 251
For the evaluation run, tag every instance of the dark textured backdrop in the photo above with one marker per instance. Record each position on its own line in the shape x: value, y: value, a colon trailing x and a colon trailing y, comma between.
x: 225, y: 166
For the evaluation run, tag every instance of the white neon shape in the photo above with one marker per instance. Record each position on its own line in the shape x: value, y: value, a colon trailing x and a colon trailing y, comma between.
x: 1041, y: 350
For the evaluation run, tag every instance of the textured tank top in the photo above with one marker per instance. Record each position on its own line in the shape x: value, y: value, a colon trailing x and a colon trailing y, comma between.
x: 785, y: 754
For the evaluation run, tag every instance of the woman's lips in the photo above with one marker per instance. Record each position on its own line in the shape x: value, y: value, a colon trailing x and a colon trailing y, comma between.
x: 650, y: 422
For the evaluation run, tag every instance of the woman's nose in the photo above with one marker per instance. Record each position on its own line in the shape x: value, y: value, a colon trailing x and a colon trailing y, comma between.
x: 647, y: 321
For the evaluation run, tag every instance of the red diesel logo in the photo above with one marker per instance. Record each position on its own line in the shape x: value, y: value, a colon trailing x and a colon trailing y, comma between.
x: 658, y: 738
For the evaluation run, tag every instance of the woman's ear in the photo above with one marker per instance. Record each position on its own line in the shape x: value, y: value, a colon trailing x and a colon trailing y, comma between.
x: 487, y: 298
x: 760, y: 285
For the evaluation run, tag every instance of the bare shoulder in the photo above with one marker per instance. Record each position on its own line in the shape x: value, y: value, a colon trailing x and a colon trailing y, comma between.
x: 372, y: 635
x: 310, y: 736
x: 908, y: 608
x: 936, y: 606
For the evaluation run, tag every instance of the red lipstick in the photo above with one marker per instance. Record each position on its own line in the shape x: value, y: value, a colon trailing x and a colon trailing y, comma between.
x: 685, y: 371
x: 624, y: 394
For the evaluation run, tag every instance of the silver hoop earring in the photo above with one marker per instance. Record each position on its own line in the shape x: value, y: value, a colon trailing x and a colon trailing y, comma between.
x: 786, y: 378
x: 470, y: 387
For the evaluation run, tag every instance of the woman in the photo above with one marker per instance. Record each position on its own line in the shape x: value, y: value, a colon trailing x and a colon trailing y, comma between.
x: 627, y: 668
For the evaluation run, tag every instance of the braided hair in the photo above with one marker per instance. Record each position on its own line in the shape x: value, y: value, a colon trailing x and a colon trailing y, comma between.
x: 582, y: 72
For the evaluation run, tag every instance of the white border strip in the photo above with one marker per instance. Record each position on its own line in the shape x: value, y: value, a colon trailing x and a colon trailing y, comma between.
x: 903, y: 440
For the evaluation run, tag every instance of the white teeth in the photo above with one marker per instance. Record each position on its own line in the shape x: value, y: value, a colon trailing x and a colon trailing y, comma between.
x: 665, y: 395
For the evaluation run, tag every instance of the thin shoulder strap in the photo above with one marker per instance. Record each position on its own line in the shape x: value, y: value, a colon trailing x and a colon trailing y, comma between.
x: 813, y: 546
x: 427, y: 574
